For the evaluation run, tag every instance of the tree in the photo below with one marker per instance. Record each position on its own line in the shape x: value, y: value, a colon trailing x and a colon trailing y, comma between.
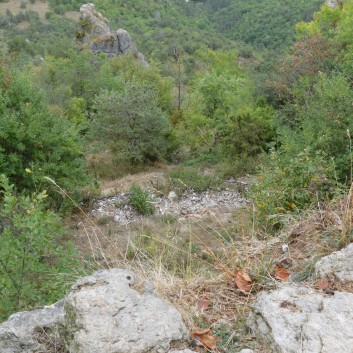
x: 132, y: 123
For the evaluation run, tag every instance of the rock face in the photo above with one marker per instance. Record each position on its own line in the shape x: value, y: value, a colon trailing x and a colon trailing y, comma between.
x: 298, y: 319
x: 21, y: 333
x: 103, y: 313
x: 339, y: 263
x: 333, y: 3
x: 94, y: 31
x: 92, y: 21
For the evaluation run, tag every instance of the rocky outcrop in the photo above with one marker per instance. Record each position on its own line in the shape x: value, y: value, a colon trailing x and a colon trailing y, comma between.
x: 334, y: 3
x: 339, y: 264
x: 102, y: 313
x: 32, y: 331
x: 94, y: 32
x: 299, y: 319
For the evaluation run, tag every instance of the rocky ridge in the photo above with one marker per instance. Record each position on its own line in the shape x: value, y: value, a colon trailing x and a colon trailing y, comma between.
x: 94, y: 32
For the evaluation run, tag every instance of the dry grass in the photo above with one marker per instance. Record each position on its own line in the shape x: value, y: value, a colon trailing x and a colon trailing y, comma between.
x: 41, y: 7
x: 190, y: 261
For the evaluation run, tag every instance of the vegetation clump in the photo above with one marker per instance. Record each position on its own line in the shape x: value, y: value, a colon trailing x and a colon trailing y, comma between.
x: 141, y: 200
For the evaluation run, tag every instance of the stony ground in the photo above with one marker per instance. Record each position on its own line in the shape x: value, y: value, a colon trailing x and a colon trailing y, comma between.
x: 189, y: 205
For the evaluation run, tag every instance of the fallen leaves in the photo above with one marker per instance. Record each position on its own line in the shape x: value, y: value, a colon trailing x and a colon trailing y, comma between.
x: 322, y: 284
x: 205, y: 338
x: 281, y: 273
x: 202, y: 304
x: 243, y: 281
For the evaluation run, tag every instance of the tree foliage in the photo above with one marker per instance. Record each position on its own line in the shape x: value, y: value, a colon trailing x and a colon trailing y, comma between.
x: 132, y: 123
x: 35, y: 143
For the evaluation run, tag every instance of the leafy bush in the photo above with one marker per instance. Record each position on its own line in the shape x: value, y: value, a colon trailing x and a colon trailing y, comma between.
x: 141, y: 200
x: 34, y: 143
x: 35, y: 263
x: 289, y: 184
x: 132, y: 123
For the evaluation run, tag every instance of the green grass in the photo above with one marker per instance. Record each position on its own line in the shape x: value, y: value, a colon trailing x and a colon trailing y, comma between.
x: 184, y: 178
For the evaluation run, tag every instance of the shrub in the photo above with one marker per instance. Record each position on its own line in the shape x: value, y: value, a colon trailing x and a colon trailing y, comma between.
x: 132, y: 123
x: 141, y: 200
x: 34, y: 261
x: 34, y: 143
x: 288, y: 185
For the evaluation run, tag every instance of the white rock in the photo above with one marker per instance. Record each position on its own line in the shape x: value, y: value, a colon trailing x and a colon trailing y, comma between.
x: 298, y: 319
x: 246, y: 351
x: 172, y: 196
x: 339, y: 263
x: 103, y: 313
x: 18, y: 333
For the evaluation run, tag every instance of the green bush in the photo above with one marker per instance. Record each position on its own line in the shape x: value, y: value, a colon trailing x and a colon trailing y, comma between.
x: 35, y: 143
x: 132, y: 123
x: 36, y: 265
x: 141, y: 200
x: 288, y: 185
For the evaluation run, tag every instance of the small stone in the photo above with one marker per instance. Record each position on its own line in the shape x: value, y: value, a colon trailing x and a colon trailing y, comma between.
x: 284, y: 248
x: 172, y: 196
x: 246, y: 351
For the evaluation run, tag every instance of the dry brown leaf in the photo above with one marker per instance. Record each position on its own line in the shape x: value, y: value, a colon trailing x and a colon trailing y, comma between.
x: 322, y: 284
x: 243, y: 281
x: 202, y: 304
x: 282, y: 274
x: 206, y: 339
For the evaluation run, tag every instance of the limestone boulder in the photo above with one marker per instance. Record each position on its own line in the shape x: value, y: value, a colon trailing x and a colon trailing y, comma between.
x: 29, y: 331
x: 295, y: 319
x: 339, y: 263
x: 104, y: 313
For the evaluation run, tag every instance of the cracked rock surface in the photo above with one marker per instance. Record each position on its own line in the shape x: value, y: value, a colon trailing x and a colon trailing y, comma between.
x: 103, y: 313
x: 19, y: 333
x: 339, y: 263
x: 295, y: 319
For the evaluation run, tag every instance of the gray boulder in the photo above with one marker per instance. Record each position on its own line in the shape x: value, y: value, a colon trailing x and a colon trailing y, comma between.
x: 30, y: 331
x: 334, y: 3
x: 103, y: 313
x: 92, y: 22
x: 298, y: 319
x: 339, y: 263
